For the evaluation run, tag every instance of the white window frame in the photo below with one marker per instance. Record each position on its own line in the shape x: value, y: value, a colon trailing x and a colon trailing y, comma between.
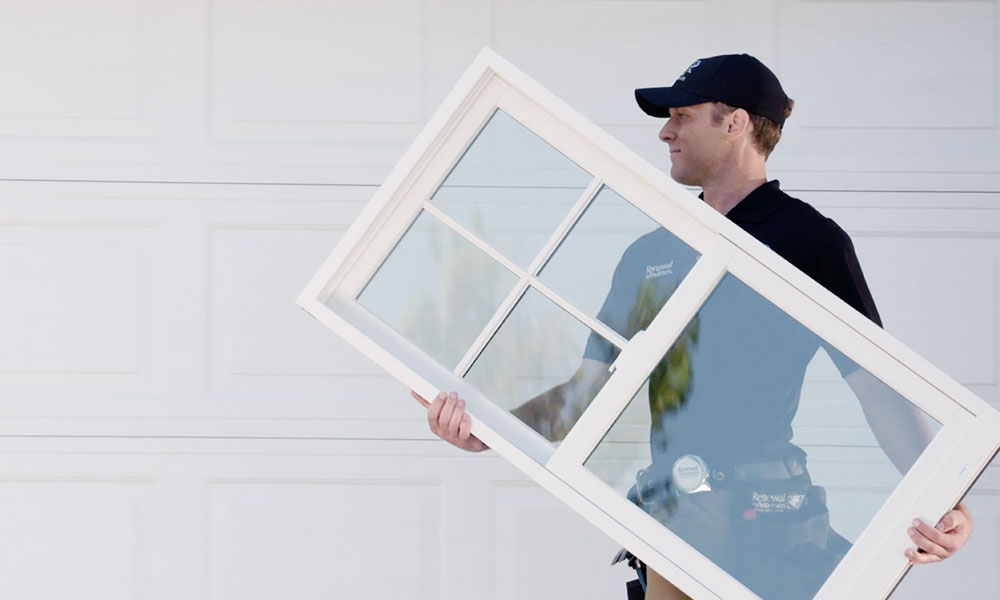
x: 967, y: 440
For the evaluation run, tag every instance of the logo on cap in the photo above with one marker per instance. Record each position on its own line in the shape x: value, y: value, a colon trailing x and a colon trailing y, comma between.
x: 688, y: 71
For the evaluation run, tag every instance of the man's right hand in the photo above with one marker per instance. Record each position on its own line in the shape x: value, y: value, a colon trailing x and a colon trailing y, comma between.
x: 448, y: 420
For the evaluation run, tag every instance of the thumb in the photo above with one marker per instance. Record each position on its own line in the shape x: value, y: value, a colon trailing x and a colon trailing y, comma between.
x: 420, y: 399
x: 946, y: 523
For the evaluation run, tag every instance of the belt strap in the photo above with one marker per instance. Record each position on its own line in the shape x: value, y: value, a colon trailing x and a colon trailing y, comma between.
x: 768, y: 470
x: 650, y: 481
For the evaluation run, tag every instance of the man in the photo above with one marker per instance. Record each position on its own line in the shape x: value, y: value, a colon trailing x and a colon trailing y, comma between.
x: 725, y: 115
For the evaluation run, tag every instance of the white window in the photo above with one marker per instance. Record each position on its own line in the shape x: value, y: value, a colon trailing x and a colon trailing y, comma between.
x: 623, y: 344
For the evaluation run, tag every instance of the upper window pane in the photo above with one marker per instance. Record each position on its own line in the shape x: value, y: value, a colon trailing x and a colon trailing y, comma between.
x: 511, y: 188
x: 748, y: 441
x: 437, y: 290
x: 618, y: 264
x: 533, y: 367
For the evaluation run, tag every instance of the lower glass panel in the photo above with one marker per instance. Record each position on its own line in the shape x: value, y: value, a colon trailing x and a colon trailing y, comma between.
x: 749, y: 442
x: 533, y: 367
x: 437, y: 290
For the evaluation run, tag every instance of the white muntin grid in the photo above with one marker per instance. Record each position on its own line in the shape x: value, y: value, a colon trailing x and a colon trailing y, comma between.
x: 968, y: 438
x: 527, y: 277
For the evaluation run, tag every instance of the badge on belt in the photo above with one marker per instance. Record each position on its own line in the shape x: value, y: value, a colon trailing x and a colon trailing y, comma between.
x: 691, y: 474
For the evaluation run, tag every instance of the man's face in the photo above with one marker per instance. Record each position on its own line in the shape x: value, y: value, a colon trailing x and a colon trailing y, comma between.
x: 697, y: 146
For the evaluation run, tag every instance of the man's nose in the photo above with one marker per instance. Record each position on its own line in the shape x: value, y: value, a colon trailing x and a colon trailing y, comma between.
x: 666, y: 133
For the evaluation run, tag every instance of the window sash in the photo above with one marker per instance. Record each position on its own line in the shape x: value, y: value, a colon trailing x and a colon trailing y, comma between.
x: 946, y: 469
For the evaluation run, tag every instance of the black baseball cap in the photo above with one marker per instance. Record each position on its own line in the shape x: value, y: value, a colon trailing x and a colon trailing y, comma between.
x: 738, y: 80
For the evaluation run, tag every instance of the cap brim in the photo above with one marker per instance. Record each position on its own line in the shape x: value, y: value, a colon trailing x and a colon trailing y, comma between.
x: 657, y: 102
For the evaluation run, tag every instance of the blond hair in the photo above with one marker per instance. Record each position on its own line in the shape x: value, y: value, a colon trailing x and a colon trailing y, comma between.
x: 766, y: 132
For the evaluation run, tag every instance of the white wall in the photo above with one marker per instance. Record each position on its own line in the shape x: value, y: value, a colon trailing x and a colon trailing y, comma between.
x: 171, y: 173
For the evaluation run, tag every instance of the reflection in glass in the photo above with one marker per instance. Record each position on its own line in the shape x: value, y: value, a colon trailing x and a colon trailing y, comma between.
x: 437, y: 290
x: 715, y: 445
x: 511, y: 188
x: 532, y: 367
x: 614, y: 241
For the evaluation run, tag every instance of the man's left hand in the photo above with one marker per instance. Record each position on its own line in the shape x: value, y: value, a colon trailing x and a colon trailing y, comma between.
x: 935, y: 544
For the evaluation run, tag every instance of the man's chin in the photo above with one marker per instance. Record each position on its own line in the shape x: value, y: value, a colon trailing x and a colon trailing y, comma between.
x: 680, y: 177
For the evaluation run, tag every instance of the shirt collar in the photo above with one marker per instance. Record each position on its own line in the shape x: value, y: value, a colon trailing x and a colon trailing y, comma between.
x: 758, y: 204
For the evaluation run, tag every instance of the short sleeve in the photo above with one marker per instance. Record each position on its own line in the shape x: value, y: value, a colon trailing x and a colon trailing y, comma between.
x: 613, y: 313
x: 839, y: 271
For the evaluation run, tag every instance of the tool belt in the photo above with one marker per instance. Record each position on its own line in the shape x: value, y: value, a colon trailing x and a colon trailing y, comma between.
x: 763, y: 521
x: 655, y: 489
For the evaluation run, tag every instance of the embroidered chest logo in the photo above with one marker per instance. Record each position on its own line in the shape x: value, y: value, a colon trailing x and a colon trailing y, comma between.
x: 688, y: 70
x: 659, y: 270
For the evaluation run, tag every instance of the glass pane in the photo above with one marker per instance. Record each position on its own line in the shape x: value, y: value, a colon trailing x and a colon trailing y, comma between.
x: 511, y: 188
x: 532, y: 366
x: 749, y: 442
x: 618, y: 264
x: 437, y: 290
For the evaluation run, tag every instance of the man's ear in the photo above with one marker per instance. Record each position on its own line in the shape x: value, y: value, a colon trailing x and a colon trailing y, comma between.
x: 739, y: 121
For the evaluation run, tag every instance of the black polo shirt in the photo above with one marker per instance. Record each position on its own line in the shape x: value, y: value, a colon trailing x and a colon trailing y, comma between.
x: 738, y: 374
x: 808, y: 240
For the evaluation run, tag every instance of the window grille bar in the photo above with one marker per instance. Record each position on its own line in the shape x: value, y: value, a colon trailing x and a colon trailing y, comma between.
x: 565, y: 226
